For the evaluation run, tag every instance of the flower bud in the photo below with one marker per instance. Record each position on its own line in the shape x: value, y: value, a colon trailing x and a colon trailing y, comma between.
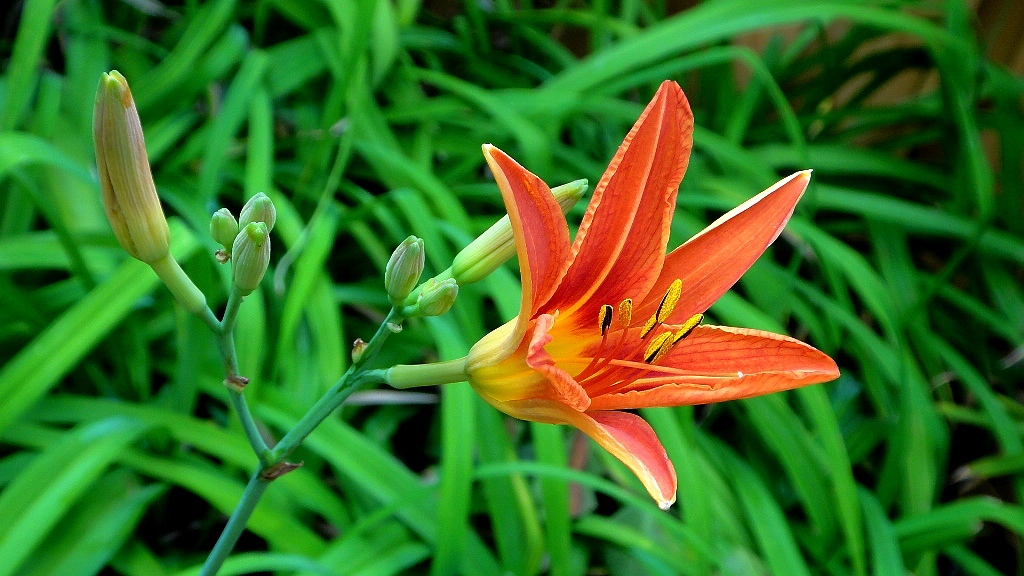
x: 436, y: 298
x: 404, y: 269
x: 129, y: 194
x: 250, y: 255
x: 259, y: 208
x: 496, y: 245
x: 224, y: 228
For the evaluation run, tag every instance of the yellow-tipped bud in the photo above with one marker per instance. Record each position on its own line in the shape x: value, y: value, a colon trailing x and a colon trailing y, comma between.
x: 436, y: 298
x: 259, y: 208
x: 496, y: 245
x: 250, y: 255
x: 224, y: 228
x: 404, y: 269
x: 129, y: 194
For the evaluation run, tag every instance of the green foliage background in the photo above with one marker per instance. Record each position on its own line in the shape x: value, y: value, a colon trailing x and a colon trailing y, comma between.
x: 363, y: 121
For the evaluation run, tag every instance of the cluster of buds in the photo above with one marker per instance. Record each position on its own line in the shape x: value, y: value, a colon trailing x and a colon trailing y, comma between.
x: 137, y: 219
x: 138, y: 222
x: 401, y: 276
x: 246, y: 241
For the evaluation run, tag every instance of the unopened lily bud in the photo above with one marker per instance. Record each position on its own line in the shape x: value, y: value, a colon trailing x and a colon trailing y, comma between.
x: 250, y: 255
x: 436, y: 298
x: 259, y: 208
x: 496, y: 245
x: 129, y: 194
x: 403, y: 270
x: 224, y: 228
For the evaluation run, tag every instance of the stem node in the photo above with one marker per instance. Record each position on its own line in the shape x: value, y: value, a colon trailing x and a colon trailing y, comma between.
x: 278, y: 469
x: 236, y: 382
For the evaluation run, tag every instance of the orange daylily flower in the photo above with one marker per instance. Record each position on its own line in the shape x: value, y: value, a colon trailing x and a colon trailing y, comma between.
x: 609, y: 322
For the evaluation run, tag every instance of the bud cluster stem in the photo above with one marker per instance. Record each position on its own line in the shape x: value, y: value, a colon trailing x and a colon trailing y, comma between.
x: 355, y: 377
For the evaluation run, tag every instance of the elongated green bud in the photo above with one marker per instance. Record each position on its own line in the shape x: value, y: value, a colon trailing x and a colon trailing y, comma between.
x: 129, y: 194
x: 224, y: 228
x: 436, y: 298
x: 403, y: 270
x: 250, y: 255
x: 496, y: 245
x: 259, y: 208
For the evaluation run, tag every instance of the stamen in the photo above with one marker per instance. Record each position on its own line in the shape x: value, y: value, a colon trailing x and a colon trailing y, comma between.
x: 626, y: 312
x: 657, y: 349
x: 648, y: 326
x: 604, y: 318
x: 687, y: 327
x: 669, y: 300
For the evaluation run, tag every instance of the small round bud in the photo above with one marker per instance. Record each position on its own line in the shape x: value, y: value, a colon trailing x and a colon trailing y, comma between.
x: 436, y: 298
x: 224, y: 228
x: 259, y: 208
x: 250, y: 256
x: 129, y: 194
x: 404, y: 269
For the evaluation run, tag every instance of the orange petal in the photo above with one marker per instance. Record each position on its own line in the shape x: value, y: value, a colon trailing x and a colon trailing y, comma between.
x: 631, y: 439
x: 718, y: 363
x: 566, y: 389
x: 713, y: 260
x: 538, y: 226
x: 620, y: 246
x: 626, y: 436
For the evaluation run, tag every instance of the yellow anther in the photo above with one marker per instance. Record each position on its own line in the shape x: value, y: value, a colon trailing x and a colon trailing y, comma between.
x: 669, y: 300
x: 626, y: 312
x: 648, y: 326
x: 604, y: 318
x: 658, y: 347
x: 687, y: 327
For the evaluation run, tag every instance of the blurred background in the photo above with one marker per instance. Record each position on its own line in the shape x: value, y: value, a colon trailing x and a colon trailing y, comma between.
x: 363, y: 120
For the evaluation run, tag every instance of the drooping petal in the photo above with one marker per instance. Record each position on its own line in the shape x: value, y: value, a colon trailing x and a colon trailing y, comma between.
x: 718, y: 363
x: 539, y: 229
x: 626, y: 436
x: 621, y: 242
x: 713, y: 260
x: 631, y: 439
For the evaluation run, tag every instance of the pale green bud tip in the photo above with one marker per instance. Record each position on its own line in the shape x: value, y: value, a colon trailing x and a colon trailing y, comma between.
x: 250, y: 256
x: 259, y: 208
x: 129, y: 194
x: 404, y: 269
x: 436, y: 298
x: 224, y: 228
x: 496, y: 245
x: 567, y: 195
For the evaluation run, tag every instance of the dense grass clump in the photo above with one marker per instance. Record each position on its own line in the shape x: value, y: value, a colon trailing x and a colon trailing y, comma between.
x: 119, y: 452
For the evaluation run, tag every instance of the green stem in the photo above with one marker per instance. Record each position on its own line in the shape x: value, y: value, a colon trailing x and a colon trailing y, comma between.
x: 327, y: 404
x: 412, y: 376
x: 231, y: 310
x: 236, y: 524
x: 346, y: 385
x: 252, y: 432
x: 180, y: 285
x: 226, y: 343
x: 271, y: 461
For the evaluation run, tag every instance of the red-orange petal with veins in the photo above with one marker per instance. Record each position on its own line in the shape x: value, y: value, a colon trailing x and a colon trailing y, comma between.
x: 620, y: 245
x: 538, y: 226
x: 631, y: 439
x: 712, y: 261
x: 724, y: 363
